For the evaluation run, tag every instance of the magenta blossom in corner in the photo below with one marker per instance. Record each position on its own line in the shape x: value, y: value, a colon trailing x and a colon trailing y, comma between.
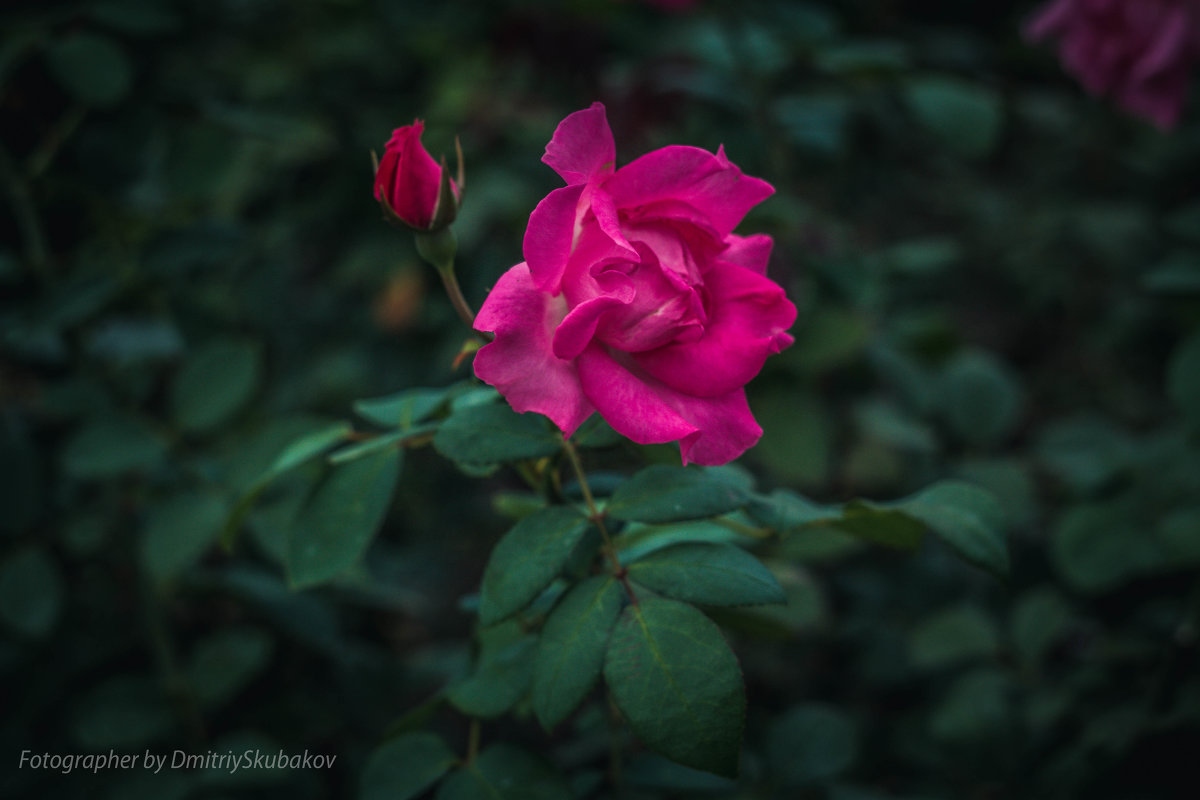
x: 407, y: 181
x: 636, y: 299
x: 1140, y: 52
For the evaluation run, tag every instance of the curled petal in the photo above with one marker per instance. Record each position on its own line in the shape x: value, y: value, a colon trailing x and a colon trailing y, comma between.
x: 627, y: 402
x: 751, y: 252
x: 520, y: 363
x: 550, y: 236
x: 748, y: 317
x: 582, y: 146
x: 680, y: 174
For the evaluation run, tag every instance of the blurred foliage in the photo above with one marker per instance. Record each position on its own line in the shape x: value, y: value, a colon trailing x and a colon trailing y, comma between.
x: 999, y: 282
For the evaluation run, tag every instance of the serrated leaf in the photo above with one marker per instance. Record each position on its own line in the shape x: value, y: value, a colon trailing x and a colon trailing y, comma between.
x: 341, y: 518
x: 404, y: 767
x: 214, y: 383
x: 637, y: 540
x: 403, y: 409
x: 494, y: 433
x: 709, y: 574
x: 678, y: 684
x: 570, y: 651
x: 527, y: 559
x: 662, y: 493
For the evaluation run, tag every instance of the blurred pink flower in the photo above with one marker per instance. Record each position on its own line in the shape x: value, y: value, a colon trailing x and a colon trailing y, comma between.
x: 636, y: 299
x: 1140, y: 52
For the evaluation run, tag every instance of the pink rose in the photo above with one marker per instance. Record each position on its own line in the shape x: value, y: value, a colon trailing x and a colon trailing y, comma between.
x: 635, y: 298
x: 408, y: 180
x: 1139, y: 51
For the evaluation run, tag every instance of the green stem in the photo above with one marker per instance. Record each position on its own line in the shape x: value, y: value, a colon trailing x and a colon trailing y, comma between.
x: 455, y: 293
x: 597, y: 517
x: 24, y: 212
x: 473, y: 741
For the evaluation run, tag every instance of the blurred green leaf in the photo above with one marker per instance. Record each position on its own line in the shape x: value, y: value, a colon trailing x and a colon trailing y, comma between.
x: 341, y: 518
x: 504, y: 772
x: 1085, y: 452
x: 179, y: 529
x: 20, y: 476
x: 215, y: 381
x: 811, y: 743
x: 527, y: 559
x: 110, y: 446
x: 571, y: 649
x: 91, y: 66
x: 960, y: 633
x: 678, y: 684
x: 500, y: 680
x: 709, y: 574
x: 31, y: 591
x: 123, y: 712
x: 967, y: 518
x: 965, y: 117
x: 1039, y: 618
x: 404, y: 767
x: 982, y: 400
x: 224, y: 663
x: 662, y: 493
x: 1183, y: 379
x: 797, y: 442
x: 975, y: 705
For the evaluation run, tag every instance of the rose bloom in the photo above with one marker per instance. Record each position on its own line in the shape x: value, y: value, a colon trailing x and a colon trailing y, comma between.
x: 635, y: 298
x: 408, y: 178
x: 1138, y: 51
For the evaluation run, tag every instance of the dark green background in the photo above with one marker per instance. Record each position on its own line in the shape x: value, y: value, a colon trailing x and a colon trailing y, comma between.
x: 997, y: 279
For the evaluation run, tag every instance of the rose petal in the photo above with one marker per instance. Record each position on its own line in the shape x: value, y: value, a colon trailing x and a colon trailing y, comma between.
x: 550, y: 236
x: 709, y: 183
x: 751, y: 252
x: 582, y: 146
x: 1169, y: 46
x: 1051, y: 20
x: 576, y: 330
x: 727, y: 428
x: 748, y: 315
x: 627, y: 402
x: 408, y: 177
x: 520, y: 362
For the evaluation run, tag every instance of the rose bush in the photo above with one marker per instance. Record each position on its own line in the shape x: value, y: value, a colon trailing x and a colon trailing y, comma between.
x: 408, y: 181
x: 636, y: 299
x: 1141, y: 52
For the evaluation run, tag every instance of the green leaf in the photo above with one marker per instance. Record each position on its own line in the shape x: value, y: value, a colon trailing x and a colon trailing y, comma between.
x: 403, y: 409
x: 178, y: 532
x: 982, y: 401
x: 20, y: 476
x: 678, y: 684
x: 214, y: 383
x: 1183, y: 379
x: 710, y: 574
x: 31, y: 591
x: 111, y: 446
x: 570, y: 652
x: 974, y: 705
x: 810, y: 743
x: 663, y: 493
x: 957, y: 634
x: 1039, y: 619
x: 341, y: 518
x: 785, y: 511
x: 494, y: 433
x: 225, y: 662
x: 880, y: 525
x: 527, y: 559
x: 91, y: 66
x: 500, y: 680
x: 965, y: 117
x: 797, y: 442
x: 122, y: 713
x: 637, y: 541
x: 393, y: 440
x: 504, y: 772
x: 404, y: 767
x: 966, y: 518
x: 597, y: 433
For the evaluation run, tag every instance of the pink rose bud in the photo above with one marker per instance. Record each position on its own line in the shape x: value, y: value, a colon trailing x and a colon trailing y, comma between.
x: 1140, y: 52
x: 636, y: 299
x: 412, y: 188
